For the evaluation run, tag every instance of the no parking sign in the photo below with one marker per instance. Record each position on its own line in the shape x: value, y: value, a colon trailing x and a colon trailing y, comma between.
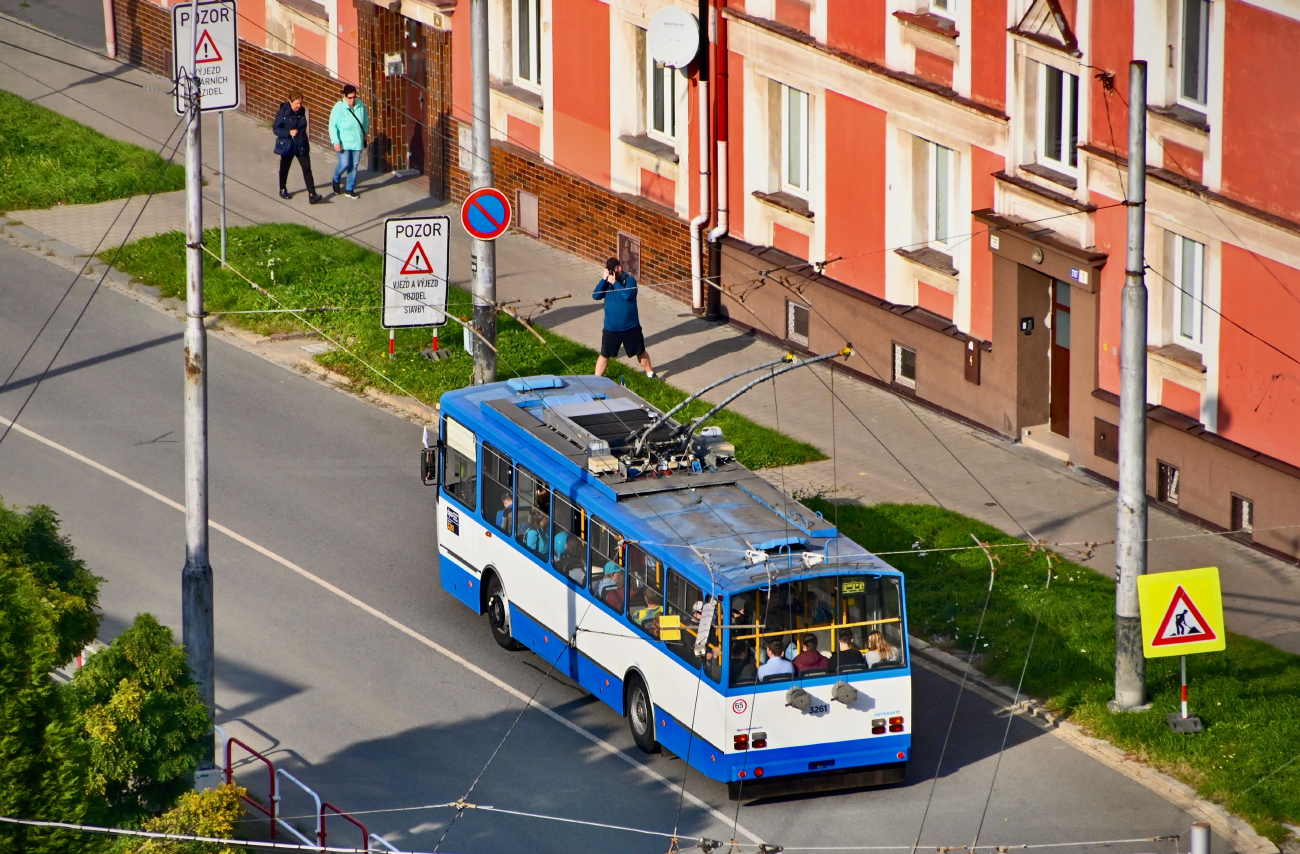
x: 485, y: 213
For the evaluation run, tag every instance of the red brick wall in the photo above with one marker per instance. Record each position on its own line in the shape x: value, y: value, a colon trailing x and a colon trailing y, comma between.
x: 580, y: 217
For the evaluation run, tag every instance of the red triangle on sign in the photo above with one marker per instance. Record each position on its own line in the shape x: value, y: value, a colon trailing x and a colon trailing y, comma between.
x: 413, y: 267
x: 206, y: 49
x: 1188, y: 624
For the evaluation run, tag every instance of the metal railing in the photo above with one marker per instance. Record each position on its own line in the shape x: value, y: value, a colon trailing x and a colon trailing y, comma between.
x: 365, y: 834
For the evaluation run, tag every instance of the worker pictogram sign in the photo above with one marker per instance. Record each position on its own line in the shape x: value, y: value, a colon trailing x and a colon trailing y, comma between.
x: 206, y: 50
x: 485, y: 213
x: 417, y: 258
x: 1182, y: 612
x: 417, y: 263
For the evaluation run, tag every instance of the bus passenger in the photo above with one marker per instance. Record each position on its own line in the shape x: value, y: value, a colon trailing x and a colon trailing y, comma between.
x: 880, y: 651
x: 614, y: 594
x: 742, y: 662
x: 776, y: 665
x: 650, y: 611
x: 506, y: 516
x: 612, y: 577
x: 814, y: 611
x: 810, y: 658
x: 848, y: 654
x: 568, y: 559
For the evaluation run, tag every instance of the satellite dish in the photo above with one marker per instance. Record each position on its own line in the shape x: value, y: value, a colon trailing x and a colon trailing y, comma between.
x: 673, y: 37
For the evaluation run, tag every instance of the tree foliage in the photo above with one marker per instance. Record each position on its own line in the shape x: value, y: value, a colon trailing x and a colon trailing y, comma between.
x: 215, y: 812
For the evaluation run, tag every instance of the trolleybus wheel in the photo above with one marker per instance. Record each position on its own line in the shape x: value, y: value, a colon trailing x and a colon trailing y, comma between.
x: 641, y: 716
x: 498, y: 614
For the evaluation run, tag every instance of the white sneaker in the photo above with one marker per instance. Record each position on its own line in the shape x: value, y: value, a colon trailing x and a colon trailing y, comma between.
x: 650, y: 374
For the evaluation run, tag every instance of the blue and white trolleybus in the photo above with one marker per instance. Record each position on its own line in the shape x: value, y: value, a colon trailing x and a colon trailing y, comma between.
x: 728, y: 622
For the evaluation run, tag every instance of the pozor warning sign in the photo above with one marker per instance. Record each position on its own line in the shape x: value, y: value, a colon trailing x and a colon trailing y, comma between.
x: 1182, y: 612
x: 212, y: 53
x: 417, y: 257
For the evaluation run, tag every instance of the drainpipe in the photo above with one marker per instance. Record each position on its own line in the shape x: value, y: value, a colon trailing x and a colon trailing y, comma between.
x: 714, y: 295
x: 697, y: 224
x: 110, y: 31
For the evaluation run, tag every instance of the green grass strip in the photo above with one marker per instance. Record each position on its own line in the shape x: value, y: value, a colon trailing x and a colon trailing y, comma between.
x: 305, y: 268
x: 1248, y: 696
x: 47, y: 159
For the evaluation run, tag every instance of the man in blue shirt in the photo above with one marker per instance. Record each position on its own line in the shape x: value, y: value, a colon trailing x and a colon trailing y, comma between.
x: 622, y: 323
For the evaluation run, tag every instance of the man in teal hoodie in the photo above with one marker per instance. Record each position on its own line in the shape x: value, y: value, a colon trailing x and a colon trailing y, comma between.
x: 349, y: 124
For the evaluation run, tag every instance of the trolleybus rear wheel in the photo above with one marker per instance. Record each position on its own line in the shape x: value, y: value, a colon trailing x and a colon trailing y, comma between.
x: 641, y: 716
x: 498, y: 614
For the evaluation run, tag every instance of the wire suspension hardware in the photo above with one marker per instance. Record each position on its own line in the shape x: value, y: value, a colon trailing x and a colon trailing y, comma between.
x: 687, y: 430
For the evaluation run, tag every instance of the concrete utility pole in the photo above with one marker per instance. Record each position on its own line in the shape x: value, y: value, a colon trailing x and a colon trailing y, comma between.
x: 196, y: 578
x: 1131, y: 529
x: 484, y: 257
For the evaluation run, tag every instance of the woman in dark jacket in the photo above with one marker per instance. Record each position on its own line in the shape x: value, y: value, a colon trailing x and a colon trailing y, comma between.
x: 291, y: 141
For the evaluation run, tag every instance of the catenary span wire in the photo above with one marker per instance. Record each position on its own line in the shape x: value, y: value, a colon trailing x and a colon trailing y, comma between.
x: 125, y: 204
x: 95, y: 290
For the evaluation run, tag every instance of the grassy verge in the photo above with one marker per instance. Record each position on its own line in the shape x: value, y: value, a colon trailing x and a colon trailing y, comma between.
x: 307, y: 269
x: 1248, y: 697
x: 48, y: 159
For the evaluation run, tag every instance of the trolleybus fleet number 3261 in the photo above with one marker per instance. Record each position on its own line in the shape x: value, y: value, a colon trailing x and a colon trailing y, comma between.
x: 726, y: 621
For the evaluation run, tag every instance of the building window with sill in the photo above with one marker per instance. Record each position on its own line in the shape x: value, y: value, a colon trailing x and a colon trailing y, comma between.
x: 661, y: 101
x: 940, y: 183
x: 1188, y: 286
x: 1243, y: 517
x: 1192, y: 48
x: 905, y: 366
x: 945, y: 8
x: 792, y: 144
x: 796, y: 323
x: 527, y: 42
x: 1058, y: 119
x: 1167, y: 483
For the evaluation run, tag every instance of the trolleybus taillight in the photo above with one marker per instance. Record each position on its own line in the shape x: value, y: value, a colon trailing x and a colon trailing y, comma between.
x: 896, y: 724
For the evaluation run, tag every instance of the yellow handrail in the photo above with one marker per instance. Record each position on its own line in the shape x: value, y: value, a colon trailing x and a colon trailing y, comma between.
x: 823, y: 628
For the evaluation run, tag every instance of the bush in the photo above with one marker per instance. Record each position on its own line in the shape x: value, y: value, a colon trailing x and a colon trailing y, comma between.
x: 214, y: 812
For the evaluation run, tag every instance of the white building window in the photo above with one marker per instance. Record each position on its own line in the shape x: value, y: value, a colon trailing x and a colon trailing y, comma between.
x: 527, y: 25
x: 1058, y: 119
x: 794, y: 141
x: 661, y: 87
x: 947, y: 8
x: 1193, y: 52
x: 942, y: 173
x: 796, y: 323
x: 1189, y: 291
x: 905, y: 366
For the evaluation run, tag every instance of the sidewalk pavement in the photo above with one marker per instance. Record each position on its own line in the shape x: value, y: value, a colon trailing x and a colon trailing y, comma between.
x: 883, y: 447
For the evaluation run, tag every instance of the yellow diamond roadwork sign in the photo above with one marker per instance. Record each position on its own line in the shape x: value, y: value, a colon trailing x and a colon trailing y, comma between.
x: 1182, y: 612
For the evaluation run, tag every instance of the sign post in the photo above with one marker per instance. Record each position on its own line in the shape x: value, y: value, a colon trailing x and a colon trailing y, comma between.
x: 417, y: 260
x: 1182, y: 614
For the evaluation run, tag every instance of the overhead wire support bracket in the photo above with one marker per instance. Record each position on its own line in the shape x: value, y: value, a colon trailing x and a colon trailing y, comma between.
x: 688, y: 430
x: 645, y: 434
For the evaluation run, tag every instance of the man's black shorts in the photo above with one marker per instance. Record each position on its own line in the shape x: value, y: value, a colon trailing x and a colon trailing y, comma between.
x: 631, y: 340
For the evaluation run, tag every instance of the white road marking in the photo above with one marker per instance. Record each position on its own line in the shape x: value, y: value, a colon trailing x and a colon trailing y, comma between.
x: 404, y: 629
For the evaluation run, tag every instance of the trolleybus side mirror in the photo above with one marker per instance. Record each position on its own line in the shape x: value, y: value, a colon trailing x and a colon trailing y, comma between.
x: 429, y: 467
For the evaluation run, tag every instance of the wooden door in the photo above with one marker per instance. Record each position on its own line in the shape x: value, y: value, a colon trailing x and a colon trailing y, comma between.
x: 1060, y: 388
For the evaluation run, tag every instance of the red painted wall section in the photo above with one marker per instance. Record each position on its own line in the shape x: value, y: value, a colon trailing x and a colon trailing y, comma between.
x: 1180, y: 399
x: 580, y: 47
x: 462, y: 88
x: 309, y: 43
x: 1259, y: 388
x: 855, y: 200
x: 935, y: 68
x: 794, y: 13
x: 1182, y: 160
x: 692, y: 174
x: 1112, y: 49
x: 1110, y: 236
x: 252, y: 21
x: 346, y: 29
x: 983, y: 165
x: 788, y: 240
x: 658, y: 188
x: 988, y: 52
x: 1260, y: 62
x: 736, y: 144
x: 935, y: 299
x: 523, y: 133
x: 858, y: 26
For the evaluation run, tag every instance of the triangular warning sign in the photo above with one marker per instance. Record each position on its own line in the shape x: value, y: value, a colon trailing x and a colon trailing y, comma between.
x: 1183, y: 623
x: 417, y: 263
x: 206, y: 49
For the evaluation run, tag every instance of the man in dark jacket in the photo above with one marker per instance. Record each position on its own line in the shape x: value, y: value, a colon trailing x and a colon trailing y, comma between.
x: 622, y: 323
x: 291, y: 141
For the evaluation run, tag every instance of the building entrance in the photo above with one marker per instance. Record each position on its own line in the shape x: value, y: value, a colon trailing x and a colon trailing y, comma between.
x: 1059, y: 393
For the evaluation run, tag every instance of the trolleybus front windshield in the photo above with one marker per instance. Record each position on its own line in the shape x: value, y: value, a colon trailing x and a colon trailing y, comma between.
x: 836, y: 624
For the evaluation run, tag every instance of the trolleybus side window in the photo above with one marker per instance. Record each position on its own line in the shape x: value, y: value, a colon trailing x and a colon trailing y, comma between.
x: 569, y: 541
x: 645, y: 588
x: 685, y: 600
x: 498, y: 490
x: 533, y: 514
x: 460, y: 463
x: 607, y: 575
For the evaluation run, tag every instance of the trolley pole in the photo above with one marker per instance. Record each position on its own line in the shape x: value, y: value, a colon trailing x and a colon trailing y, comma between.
x: 484, y: 258
x: 196, y: 578
x: 1131, y: 529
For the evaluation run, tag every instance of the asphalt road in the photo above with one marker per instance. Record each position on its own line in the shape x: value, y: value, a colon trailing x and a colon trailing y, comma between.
x: 382, y: 692
x: 79, y: 21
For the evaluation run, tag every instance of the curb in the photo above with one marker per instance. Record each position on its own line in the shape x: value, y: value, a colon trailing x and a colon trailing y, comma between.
x: 1234, y: 830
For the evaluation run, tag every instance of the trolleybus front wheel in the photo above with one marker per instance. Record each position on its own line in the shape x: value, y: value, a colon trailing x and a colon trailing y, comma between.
x: 498, y: 614
x: 641, y: 716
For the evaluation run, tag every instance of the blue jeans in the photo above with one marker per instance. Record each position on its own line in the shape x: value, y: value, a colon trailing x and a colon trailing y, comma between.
x: 349, y: 161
